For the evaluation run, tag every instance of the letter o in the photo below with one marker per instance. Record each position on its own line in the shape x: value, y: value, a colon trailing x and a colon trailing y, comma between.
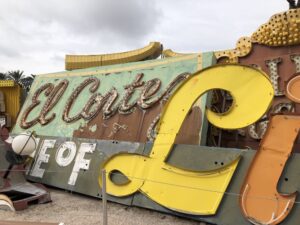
x: 63, y: 159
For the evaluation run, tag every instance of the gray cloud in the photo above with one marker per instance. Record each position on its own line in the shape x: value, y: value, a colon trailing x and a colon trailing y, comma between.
x: 35, y: 35
x: 126, y: 18
x: 194, y: 25
x: 9, y: 52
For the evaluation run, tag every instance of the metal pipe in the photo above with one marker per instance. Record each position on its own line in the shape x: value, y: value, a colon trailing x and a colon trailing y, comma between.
x: 104, y: 199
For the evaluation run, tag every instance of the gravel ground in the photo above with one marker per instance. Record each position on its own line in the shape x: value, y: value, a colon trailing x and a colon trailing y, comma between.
x: 73, y: 209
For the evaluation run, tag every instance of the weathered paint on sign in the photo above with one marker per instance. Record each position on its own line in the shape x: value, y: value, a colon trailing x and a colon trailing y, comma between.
x: 109, y: 102
x: 293, y: 88
x: 260, y: 187
x: 281, y: 64
x: 199, y: 159
x: 78, y: 165
x: 179, y: 104
x: 154, y: 168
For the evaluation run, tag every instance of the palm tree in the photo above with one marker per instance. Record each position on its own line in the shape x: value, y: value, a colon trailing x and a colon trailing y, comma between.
x: 15, y: 75
x: 19, y: 77
x: 2, y: 76
x: 26, y: 82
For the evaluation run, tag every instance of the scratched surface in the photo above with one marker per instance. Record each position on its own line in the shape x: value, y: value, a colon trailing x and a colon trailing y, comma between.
x: 129, y: 97
x: 281, y: 64
x: 229, y: 211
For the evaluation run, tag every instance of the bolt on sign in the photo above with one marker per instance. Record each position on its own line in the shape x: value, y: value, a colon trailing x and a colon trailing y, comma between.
x: 273, y: 48
x: 113, y: 102
x: 78, y: 165
x: 281, y: 64
x: 145, y: 124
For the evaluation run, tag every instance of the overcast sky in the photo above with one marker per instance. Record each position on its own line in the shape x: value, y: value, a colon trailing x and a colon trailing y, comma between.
x: 35, y: 35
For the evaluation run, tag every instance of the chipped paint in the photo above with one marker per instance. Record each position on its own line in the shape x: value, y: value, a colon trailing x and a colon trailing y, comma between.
x: 95, y: 105
x: 93, y: 128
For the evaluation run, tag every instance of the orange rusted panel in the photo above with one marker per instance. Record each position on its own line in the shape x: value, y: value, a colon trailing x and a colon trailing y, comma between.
x: 260, y: 201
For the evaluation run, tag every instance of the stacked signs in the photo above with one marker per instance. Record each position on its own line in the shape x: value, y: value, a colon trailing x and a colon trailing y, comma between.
x: 108, y: 117
x: 83, y: 117
x: 281, y: 64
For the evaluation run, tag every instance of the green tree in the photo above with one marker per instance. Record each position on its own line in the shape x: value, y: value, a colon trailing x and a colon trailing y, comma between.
x: 15, y: 75
x: 19, y: 77
x: 26, y: 82
x: 2, y: 76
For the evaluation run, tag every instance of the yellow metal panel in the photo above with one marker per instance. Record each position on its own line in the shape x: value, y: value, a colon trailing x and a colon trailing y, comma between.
x: 192, y: 192
x: 169, y: 53
x: 243, y: 48
x: 85, y: 61
x: 147, y: 64
x: 196, y: 193
x: 7, y: 83
x: 250, y: 88
x: 12, y: 97
x: 282, y: 29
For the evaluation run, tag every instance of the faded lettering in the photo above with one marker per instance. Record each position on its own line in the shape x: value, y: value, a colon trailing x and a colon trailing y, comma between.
x: 66, y: 153
x: 43, y: 157
x: 97, y: 102
x: 296, y: 60
x: 274, y: 76
x: 80, y: 162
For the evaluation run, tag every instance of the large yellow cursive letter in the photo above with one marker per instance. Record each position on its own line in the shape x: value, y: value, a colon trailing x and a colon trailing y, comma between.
x: 192, y: 192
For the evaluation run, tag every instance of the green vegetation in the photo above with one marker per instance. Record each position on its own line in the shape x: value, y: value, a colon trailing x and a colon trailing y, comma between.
x: 19, y: 77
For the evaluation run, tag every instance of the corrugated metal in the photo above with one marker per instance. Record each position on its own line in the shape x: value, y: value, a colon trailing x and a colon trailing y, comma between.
x: 7, y: 83
x: 12, y: 101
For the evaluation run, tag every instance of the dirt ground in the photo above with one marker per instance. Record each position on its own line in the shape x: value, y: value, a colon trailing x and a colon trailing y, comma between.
x: 74, y: 209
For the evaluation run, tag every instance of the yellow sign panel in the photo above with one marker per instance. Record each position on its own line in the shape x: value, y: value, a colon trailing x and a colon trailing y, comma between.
x: 192, y: 192
x: 7, y: 83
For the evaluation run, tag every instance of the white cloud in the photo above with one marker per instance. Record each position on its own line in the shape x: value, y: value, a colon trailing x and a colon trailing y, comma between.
x: 35, y: 35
